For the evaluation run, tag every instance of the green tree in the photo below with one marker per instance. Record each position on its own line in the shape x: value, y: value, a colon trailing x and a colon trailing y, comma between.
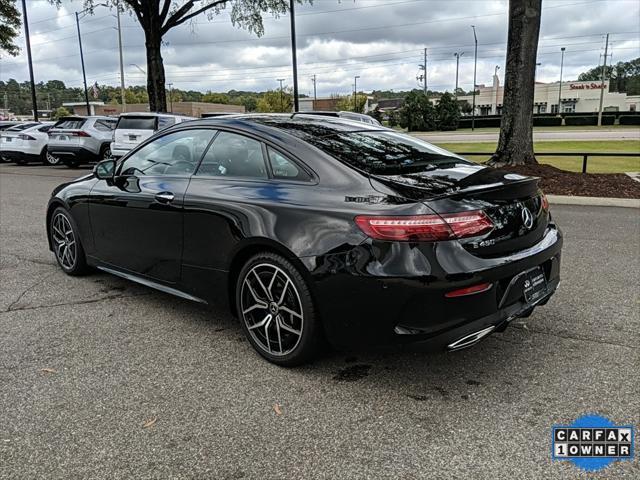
x: 392, y: 118
x: 377, y: 114
x: 417, y: 113
x: 9, y: 26
x: 212, y: 97
x: 623, y: 76
x: 346, y: 103
x: 515, y: 145
x: 448, y: 112
x: 158, y: 17
x: 275, y: 101
x: 60, y: 112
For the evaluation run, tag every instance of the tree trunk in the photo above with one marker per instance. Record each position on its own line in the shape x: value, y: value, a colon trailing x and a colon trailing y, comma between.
x: 155, y: 71
x: 515, y: 146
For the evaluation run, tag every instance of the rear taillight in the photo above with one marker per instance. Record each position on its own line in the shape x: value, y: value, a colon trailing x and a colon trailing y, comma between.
x: 544, y: 202
x: 24, y: 136
x: 425, y: 227
x: 472, y: 290
x: 81, y: 134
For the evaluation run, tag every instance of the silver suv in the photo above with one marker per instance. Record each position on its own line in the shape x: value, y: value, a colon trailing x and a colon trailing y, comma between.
x: 77, y: 140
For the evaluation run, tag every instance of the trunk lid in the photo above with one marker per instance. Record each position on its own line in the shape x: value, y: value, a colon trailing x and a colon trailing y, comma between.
x: 513, y: 202
x: 132, y: 130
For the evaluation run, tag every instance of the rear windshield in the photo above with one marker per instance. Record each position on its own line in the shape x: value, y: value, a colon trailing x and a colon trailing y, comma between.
x: 22, y: 126
x: 383, y: 152
x: 137, y: 123
x: 70, y: 124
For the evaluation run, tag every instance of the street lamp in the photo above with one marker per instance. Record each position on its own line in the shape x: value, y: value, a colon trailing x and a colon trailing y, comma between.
x: 281, y: 100
x: 355, y: 93
x: 171, y: 95
x: 457, y: 55
x: 294, y: 56
x: 560, y: 86
x: 84, y: 73
x: 475, y: 65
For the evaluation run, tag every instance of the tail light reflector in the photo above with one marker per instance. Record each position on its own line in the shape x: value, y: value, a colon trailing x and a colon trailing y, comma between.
x: 425, y: 227
x: 473, y: 289
x: 544, y: 202
x: 24, y: 136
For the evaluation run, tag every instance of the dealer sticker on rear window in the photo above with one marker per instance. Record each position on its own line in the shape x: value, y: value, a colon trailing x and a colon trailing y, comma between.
x: 592, y: 442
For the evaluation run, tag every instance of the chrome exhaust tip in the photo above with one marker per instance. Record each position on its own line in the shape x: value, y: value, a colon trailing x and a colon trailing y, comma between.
x: 471, y: 339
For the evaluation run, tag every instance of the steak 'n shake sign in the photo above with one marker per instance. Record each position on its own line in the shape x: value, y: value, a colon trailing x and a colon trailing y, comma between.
x: 584, y: 86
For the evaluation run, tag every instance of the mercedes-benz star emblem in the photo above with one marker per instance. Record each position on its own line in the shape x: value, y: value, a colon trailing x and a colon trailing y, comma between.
x: 527, y: 218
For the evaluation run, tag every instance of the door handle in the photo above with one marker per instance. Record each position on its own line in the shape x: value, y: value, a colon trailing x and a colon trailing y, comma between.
x: 164, y: 197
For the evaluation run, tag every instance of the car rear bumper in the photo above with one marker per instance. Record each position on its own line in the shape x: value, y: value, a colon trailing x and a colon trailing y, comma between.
x: 19, y: 156
x: 75, y: 154
x: 394, y: 294
x: 118, y: 150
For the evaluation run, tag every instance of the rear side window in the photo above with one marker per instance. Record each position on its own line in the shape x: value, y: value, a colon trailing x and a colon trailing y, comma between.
x: 71, y: 124
x: 45, y: 129
x: 284, y: 168
x: 233, y: 155
x: 105, y: 125
x: 137, y: 123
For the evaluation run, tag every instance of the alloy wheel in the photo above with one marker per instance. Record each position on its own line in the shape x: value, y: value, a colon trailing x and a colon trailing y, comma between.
x: 271, y: 309
x: 51, y: 160
x: 64, y: 241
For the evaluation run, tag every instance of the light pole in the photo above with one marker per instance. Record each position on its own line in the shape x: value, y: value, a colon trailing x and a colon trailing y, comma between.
x: 535, y: 72
x: 122, y: 91
x: 355, y: 93
x: 495, y: 75
x: 475, y: 65
x: 560, y: 86
x: 294, y: 57
x: 457, y: 55
x: 315, y: 97
x: 170, y: 95
x: 84, y: 73
x: 28, y: 41
x: 281, y: 99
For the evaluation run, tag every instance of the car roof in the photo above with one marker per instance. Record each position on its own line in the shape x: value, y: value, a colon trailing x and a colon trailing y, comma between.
x: 301, y: 125
x: 152, y: 114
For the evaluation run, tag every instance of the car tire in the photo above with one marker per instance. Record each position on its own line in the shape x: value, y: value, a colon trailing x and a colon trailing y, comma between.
x: 105, y: 153
x: 277, y: 311
x: 48, y: 159
x: 67, y: 246
x: 72, y: 163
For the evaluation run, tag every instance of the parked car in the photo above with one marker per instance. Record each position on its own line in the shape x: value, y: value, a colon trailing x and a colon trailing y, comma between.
x: 357, y: 117
x: 76, y: 140
x: 4, y: 124
x: 310, y: 227
x: 27, y: 142
x: 133, y: 128
x: 217, y: 114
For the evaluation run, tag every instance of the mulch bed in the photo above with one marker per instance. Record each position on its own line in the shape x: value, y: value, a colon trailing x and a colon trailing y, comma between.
x: 561, y: 182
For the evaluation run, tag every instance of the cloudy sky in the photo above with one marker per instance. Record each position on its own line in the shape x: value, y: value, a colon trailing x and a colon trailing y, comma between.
x: 379, y: 40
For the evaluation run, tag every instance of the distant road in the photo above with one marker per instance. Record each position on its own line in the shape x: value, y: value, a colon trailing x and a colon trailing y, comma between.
x: 462, y: 137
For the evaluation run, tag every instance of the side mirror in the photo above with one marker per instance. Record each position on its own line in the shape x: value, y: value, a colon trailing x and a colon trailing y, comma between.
x: 105, y: 170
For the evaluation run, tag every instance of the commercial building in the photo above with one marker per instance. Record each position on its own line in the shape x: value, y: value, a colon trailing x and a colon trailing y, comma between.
x: 191, y: 109
x: 581, y: 97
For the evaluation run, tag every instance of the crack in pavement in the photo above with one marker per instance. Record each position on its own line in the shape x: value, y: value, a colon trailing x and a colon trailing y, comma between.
x: 30, y: 260
x: 77, y: 302
x: 571, y: 337
x: 27, y: 290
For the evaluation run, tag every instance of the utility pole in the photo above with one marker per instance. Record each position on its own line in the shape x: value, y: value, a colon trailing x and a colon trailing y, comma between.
x: 495, y: 74
x: 355, y: 93
x: 315, y: 96
x: 30, y: 60
x: 457, y: 55
x: 475, y: 65
x: 84, y: 74
x: 170, y: 96
x: 560, y: 87
x: 604, y: 69
x: 425, y: 72
x: 294, y: 56
x: 281, y: 99
x: 122, y: 90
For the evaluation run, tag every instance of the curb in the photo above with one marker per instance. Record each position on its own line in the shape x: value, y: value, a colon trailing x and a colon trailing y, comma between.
x: 594, y: 201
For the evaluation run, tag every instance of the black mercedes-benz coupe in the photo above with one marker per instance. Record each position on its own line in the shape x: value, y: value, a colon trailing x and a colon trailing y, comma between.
x: 315, y: 228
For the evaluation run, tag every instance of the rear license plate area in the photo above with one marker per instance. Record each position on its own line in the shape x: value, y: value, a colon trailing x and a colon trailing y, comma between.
x: 535, y: 285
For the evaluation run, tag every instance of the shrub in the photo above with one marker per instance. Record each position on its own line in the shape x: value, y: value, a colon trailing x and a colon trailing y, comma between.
x: 448, y: 112
x: 581, y: 120
x: 629, y: 119
x: 418, y: 113
x: 608, y: 119
x: 547, y: 121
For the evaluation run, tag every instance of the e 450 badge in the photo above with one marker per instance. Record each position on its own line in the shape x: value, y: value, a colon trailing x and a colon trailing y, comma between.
x: 592, y: 442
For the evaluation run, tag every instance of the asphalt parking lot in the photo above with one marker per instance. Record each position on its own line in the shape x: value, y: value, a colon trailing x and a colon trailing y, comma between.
x: 101, y: 378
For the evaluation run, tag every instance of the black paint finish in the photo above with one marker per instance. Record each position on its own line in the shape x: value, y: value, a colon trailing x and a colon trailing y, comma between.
x: 367, y: 291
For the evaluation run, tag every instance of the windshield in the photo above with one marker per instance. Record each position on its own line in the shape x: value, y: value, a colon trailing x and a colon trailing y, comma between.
x: 70, y: 123
x: 384, y: 152
x: 22, y: 126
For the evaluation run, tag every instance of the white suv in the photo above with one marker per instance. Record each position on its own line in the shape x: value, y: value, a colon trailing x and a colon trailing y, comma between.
x: 77, y: 140
x: 133, y: 128
x: 26, y: 142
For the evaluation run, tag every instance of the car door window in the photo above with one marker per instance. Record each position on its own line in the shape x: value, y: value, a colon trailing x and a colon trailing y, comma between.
x: 105, y: 125
x: 176, y: 153
x: 233, y: 155
x: 165, y: 122
x: 285, y: 168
